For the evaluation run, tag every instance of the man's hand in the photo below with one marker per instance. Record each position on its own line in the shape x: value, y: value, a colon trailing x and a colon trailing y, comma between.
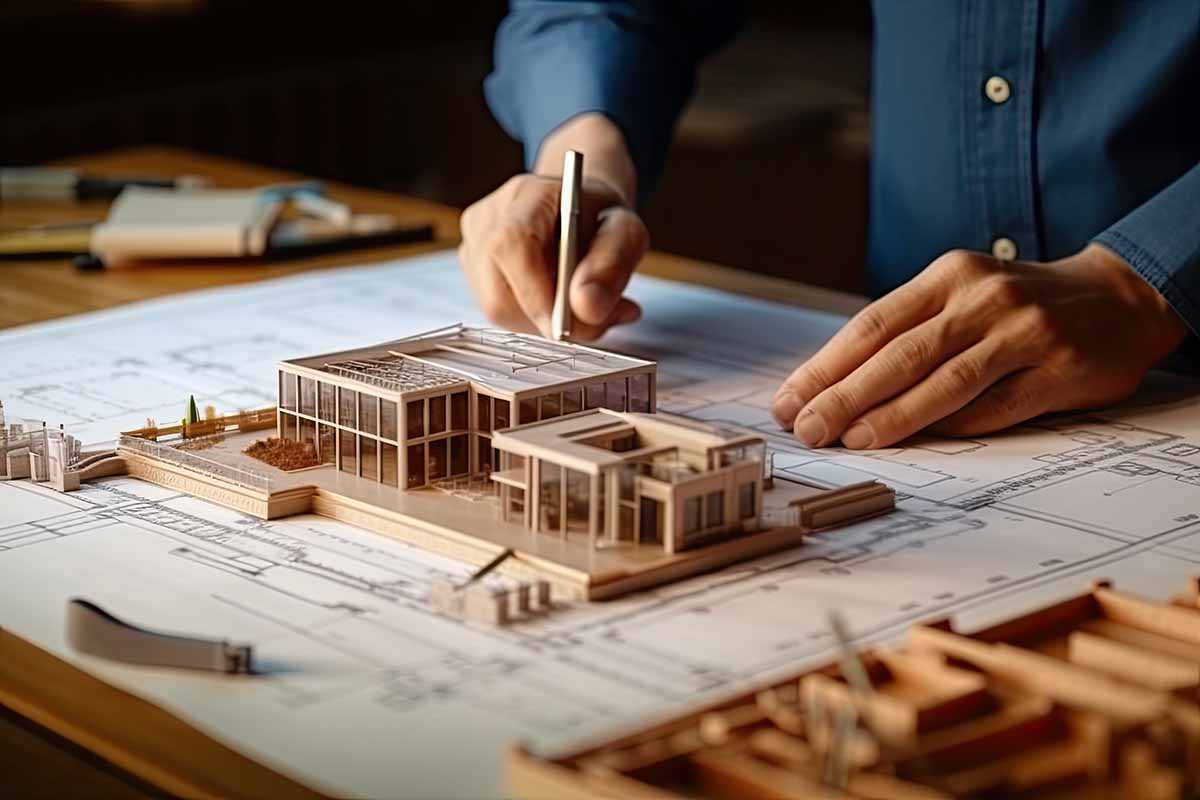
x: 510, y: 249
x: 973, y: 345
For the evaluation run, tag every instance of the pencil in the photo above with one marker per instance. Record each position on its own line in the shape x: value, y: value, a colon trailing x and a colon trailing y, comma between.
x: 568, y: 243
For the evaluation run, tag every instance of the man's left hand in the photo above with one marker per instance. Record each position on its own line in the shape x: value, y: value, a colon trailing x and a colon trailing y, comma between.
x: 974, y: 344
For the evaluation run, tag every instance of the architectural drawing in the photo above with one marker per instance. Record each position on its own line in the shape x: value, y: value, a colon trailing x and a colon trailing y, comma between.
x: 983, y: 530
x: 466, y: 440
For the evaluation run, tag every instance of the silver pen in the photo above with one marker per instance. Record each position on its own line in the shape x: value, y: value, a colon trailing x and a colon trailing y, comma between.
x: 568, y: 244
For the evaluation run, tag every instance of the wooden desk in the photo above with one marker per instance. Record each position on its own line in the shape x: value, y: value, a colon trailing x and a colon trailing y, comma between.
x: 68, y: 734
x: 31, y: 291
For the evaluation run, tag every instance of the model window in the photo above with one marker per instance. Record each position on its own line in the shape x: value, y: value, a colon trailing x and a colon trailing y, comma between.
x: 325, y: 440
x: 691, y: 515
x: 387, y: 419
x: 550, y: 406
x: 500, y: 415
x: 459, y: 463
x: 483, y: 413
x: 485, y: 454
x: 625, y: 480
x: 639, y: 392
x: 594, y: 395
x: 349, y: 453
x: 458, y: 411
x: 438, y: 463
x: 572, y: 401
x: 615, y: 395
x: 746, y: 500
x: 416, y: 465
x: 327, y: 401
x: 347, y: 411
x: 529, y: 410
x: 308, y: 397
x: 416, y: 420
x: 550, y: 499
x: 287, y: 391
x: 714, y: 511
x: 289, y: 426
x: 370, y: 460
x: 437, y: 415
x: 368, y: 414
x: 388, y: 464
x: 308, y: 433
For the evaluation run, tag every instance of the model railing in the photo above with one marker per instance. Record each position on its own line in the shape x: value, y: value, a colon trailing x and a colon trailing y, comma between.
x: 258, y: 420
x: 240, y: 476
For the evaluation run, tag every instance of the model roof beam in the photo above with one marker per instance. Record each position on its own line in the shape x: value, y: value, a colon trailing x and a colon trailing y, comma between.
x: 397, y: 376
x: 523, y: 343
x: 507, y: 358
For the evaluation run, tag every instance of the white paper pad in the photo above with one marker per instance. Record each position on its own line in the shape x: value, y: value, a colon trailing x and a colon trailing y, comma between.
x: 371, y: 694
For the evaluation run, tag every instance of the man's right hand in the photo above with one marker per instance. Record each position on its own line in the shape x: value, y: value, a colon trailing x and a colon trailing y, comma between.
x: 510, y: 250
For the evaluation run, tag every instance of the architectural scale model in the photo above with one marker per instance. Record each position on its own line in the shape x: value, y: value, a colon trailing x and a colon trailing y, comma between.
x: 472, y: 442
x: 1093, y: 697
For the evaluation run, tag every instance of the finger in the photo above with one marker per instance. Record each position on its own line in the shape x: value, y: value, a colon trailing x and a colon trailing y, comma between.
x: 493, y: 295
x: 620, y: 241
x: 521, y: 251
x: 947, y: 389
x: 899, y: 365
x: 627, y: 311
x: 859, y: 339
x: 1013, y: 399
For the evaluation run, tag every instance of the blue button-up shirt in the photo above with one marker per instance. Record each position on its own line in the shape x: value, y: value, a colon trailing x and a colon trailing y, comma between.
x: 1088, y: 131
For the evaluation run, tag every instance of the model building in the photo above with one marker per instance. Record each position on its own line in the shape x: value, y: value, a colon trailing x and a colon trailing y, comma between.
x: 475, y: 442
x: 419, y: 410
x: 1094, y: 696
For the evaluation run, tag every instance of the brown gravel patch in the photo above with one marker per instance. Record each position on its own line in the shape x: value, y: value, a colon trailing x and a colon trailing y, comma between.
x: 284, y: 454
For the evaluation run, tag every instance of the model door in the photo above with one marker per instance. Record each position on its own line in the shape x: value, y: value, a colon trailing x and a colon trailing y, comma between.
x: 651, y: 521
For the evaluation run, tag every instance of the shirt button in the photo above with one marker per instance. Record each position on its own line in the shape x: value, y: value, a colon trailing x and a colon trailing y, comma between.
x: 997, y: 89
x: 1004, y: 249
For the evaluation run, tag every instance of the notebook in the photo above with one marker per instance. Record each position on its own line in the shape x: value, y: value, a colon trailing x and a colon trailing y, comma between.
x: 146, y: 223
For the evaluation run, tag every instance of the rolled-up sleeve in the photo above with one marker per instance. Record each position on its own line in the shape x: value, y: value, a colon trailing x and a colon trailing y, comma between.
x: 1161, y: 240
x: 634, y: 62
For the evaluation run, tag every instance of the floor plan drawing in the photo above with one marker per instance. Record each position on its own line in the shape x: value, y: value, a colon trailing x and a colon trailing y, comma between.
x: 352, y: 652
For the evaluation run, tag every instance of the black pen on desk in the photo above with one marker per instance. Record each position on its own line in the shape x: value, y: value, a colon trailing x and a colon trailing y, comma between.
x: 294, y: 241
x: 41, y: 184
x: 568, y: 244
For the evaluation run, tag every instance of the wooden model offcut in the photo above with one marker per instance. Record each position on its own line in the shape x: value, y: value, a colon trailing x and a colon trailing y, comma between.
x: 473, y: 442
x: 1093, y: 697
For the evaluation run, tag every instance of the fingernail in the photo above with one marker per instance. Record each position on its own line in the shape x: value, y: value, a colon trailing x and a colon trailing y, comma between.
x: 810, y: 428
x: 785, y: 407
x: 858, y: 436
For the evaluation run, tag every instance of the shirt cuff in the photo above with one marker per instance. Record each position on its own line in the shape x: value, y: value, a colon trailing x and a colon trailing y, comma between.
x: 1160, y: 239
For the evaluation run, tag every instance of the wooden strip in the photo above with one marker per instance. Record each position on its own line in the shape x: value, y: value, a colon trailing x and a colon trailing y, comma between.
x: 1176, y: 622
x: 1154, y: 670
x: 126, y: 730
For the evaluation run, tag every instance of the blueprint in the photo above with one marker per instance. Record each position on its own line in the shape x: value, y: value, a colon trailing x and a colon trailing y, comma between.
x: 367, y: 691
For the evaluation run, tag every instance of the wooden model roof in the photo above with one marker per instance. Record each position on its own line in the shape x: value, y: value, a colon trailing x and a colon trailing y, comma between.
x: 563, y: 440
x: 507, y: 363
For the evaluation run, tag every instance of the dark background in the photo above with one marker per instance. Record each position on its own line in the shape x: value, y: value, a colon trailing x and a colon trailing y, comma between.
x: 768, y: 171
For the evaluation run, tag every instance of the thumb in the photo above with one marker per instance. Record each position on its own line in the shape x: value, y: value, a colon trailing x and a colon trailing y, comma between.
x: 620, y: 241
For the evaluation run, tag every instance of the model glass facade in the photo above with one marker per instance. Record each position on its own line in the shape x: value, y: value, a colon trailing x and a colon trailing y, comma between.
x: 416, y: 411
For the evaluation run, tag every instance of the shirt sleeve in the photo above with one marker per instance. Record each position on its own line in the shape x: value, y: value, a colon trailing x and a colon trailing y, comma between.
x: 1161, y: 240
x: 632, y: 60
